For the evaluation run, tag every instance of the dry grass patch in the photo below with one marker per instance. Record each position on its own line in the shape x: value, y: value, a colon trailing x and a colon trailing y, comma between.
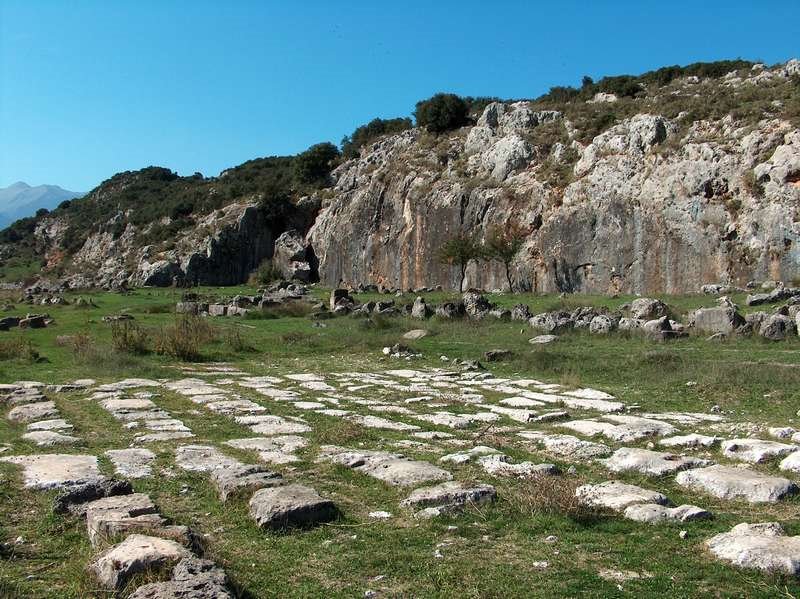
x: 551, y: 495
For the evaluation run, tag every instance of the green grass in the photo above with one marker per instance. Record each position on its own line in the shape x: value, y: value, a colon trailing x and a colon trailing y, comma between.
x: 492, y: 550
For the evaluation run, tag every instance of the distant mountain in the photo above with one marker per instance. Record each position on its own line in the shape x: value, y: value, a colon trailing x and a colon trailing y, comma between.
x: 20, y: 200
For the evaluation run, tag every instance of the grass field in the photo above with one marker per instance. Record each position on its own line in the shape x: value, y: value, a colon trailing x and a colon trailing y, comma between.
x: 488, y: 551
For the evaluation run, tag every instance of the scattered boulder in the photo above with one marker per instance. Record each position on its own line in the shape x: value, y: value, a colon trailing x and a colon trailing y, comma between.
x: 449, y: 310
x: 653, y: 463
x: 341, y: 299
x: 448, y: 497
x: 497, y: 355
x: 723, y: 320
x: 34, y: 321
x: 521, y: 312
x: 192, y: 578
x: 726, y: 482
x: 777, y: 327
x: 763, y: 546
x: 645, y: 308
x: 616, y: 495
x: 653, y: 513
x: 136, y: 554
x: 475, y: 305
x: 601, y: 325
x: 420, y: 309
x: 756, y: 451
x: 290, y: 506
x: 415, y: 334
x: 542, y: 339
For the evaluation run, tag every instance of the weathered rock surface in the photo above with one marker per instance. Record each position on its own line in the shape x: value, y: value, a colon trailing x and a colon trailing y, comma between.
x: 762, y: 546
x: 653, y: 513
x: 290, y: 506
x: 48, y: 471
x: 737, y: 483
x: 136, y: 554
x: 616, y: 495
x: 654, y: 463
x: 192, y: 578
x: 756, y: 451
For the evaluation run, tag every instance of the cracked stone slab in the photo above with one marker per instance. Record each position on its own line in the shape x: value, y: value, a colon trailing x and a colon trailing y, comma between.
x: 653, y: 463
x: 623, y: 429
x: 29, y: 412
x: 265, y: 424
x: 136, y: 554
x: 447, y: 419
x: 102, y: 514
x: 791, y: 463
x: 290, y: 506
x: 451, y: 494
x: 203, y: 458
x: 501, y: 465
x: 763, y: 546
x: 599, y: 405
x: 128, y: 384
x: 381, y: 423
x: 57, y: 424
x: 690, y: 441
x: 391, y: 468
x: 131, y: 463
x: 616, y: 495
x: 273, y: 450
x: 50, y: 471
x: 158, y: 437
x: 192, y: 578
x: 463, y: 457
x: 50, y: 438
x: 653, y: 513
x: 726, y: 482
x: 567, y: 446
x: 231, y: 480
x: 756, y: 451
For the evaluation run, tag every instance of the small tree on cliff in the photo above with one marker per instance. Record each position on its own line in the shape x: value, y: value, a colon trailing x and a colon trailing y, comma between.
x: 460, y: 251
x: 503, y: 245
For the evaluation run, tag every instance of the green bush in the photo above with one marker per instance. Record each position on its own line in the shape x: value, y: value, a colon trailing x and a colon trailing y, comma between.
x: 372, y: 130
x: 441, y: 113
x: 315, y: 164
x: 265, y: 274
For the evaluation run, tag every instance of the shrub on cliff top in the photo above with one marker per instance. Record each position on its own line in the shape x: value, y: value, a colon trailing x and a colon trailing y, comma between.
x: 442, y: 112
x: 372, y: 130
x: 315, y: 164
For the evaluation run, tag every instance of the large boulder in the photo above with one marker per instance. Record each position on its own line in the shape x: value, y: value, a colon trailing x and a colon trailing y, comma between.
x: 420, y: 309
x: 475, y: 305
x: 135, y: 555
x: 294, y: 257
x: 717, y: 320
x: 290, y: 506
x: 777, y: 327
x: 645, y: 308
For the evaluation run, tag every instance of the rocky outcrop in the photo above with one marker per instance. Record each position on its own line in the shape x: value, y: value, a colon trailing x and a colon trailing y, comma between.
x: 654, y: 202
x: 651, y: 205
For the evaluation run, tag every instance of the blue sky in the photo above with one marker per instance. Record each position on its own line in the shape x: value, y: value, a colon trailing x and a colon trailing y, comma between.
x: 90, y: 88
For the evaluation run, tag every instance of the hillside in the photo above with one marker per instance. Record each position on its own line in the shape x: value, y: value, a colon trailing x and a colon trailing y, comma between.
x: 656, y: 183
x: 20, y: 200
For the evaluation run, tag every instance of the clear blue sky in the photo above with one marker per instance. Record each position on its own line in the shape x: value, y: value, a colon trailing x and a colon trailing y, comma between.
x: 90, y: 88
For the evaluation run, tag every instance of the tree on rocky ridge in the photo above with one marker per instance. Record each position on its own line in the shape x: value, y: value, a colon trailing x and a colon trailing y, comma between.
x: 441, y: 113
x: 503, y: 245
x: 315, y: 164
x: 460, y: 250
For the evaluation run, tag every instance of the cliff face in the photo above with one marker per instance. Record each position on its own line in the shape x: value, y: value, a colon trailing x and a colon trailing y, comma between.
x: 691, y: 182
x: 653, y: 204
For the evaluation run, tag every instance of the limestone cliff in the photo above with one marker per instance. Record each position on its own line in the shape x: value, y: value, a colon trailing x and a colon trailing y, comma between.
x: 652, y: 204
